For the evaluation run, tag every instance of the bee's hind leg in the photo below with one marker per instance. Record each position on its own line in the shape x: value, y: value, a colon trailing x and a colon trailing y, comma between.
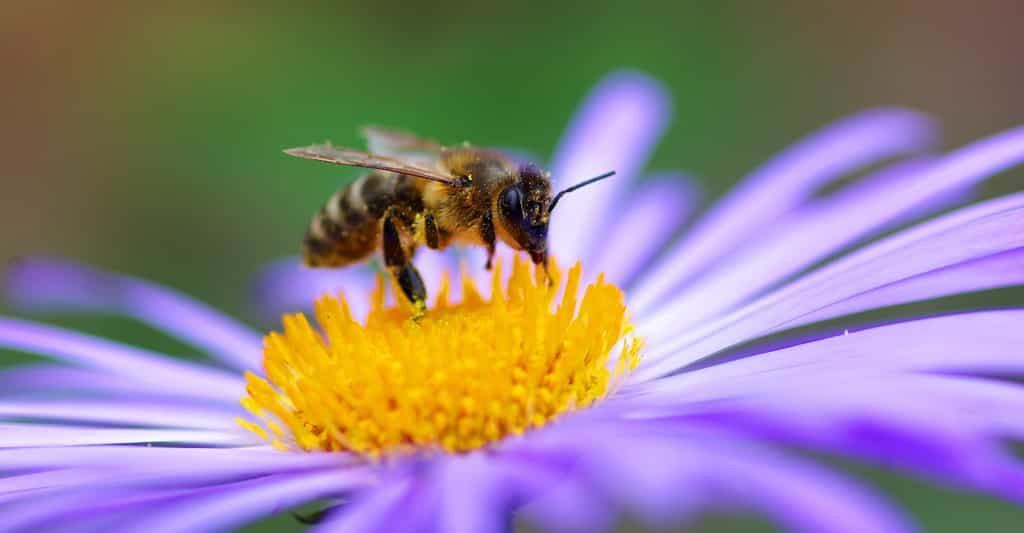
x: 401, y: 267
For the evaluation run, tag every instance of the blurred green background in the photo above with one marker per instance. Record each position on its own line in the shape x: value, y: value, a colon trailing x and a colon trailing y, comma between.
x: 147, y: 139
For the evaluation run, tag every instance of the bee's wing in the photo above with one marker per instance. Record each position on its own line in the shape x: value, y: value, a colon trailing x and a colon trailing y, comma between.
x: 394, y: 143
x: 356, y: 158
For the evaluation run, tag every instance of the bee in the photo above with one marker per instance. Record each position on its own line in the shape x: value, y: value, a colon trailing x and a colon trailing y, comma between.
x: 420, y: 192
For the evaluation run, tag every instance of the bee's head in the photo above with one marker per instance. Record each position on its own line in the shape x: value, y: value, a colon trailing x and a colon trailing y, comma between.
x: 523, y: 212
x: 524, y: 209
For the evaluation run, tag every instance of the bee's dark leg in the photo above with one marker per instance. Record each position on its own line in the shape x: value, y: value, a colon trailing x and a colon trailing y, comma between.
x: 487, y: 233
x: 430, y: 231
x: 397, y: 261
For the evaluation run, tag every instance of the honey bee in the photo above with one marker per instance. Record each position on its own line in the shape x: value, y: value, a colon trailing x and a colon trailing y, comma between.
x: 420, y: 192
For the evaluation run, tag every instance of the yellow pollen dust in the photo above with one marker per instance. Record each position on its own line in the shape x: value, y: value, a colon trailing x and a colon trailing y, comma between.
x: 462, y: 376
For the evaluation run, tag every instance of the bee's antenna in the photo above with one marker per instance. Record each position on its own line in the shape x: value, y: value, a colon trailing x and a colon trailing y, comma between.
x: 554, y: 201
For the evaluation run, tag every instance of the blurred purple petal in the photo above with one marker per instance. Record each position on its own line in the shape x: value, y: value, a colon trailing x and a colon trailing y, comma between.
x: 226, y: 507
x: 472, y: 496
x: 650, y: 216
x: 186, y: 462
x: 57, y: 379
x: 160, y: 372
x: 985, y: 229
x: 665, y: 477
x: 134, y: 412
x: 32, y: 382
x: 827, y: 226
x: 22, y: 435
x: 40, y: 283
x: 781, y: 185
x: 942, y: 427
x: 288, y: 286
x: 616, y: 128
x: 569, y: 504
x: 372, y: 511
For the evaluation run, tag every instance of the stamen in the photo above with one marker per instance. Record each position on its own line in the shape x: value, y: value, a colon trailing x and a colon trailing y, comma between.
x: 463, y: 376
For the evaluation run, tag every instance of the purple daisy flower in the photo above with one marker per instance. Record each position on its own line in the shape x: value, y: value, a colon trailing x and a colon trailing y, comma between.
x: 734, y: 379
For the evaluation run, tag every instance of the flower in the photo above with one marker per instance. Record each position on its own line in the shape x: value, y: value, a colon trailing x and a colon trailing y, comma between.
x: 756, y: 348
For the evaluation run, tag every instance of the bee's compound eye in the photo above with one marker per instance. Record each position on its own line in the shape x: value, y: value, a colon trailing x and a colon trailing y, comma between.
x: 512, y: 205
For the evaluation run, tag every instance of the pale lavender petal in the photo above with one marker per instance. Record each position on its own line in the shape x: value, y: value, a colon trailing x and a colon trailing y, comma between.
x: 941, y: 427
x: 40, y: 283
x: 616, y: 128
x: 665, y: 476
x: 570, y: 505
x: 133, y: 412
x: 288, y: 286
x: 985, y: 229
x: 21, y: 485
x: 51, y: 379
x: 472, y: 496
x: 22, y: 435
x: 159, y: 371
x: 222, y: 461
x: 988, y: 342
x: 994, y: 271
x: 371, y: 511
x: 649, y: 217
x: 228, y: 506
x: 778, y: 187
x: 823, y: 228
x: 799, y: 240
x: 88, y: 509
x: 800, y: 495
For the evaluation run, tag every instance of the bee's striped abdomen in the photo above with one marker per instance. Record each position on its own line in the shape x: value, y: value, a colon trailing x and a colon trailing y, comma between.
x: 347, y: 228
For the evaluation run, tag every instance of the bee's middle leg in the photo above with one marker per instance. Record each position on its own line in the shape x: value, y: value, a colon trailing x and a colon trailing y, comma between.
x: 400, y: 265
x: 488, y: 236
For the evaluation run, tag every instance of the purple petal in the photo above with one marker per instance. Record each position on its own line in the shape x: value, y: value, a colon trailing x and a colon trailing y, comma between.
x: 980, y: 342
x: 570, y: 505
x: 226, y: 461
x: 663, y: 476
x: 801, y: 496
x: 159, y: 371
x: 137, y: 413
x: 994, y: 271
x: 778, y: 187
x: 472, y: 496
x: 942, y: 427
x: 21, y: 435
x: 55, y: 380
x: 370, y: 511
x: 226, y: 507
x: 651, y: 215
x: 825, y: 227
x: 616, y: 129
x: 288, y: 286
x: 979, y: 231
x: 40, y: 283
x: 12, y: 487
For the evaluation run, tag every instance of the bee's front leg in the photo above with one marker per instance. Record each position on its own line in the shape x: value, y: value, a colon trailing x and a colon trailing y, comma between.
x: 405, y: 273
x: 487, y: 234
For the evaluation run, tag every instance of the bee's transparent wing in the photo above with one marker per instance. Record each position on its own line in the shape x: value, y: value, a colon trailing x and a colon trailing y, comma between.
x: 355, y: 158
x: 397, y: 143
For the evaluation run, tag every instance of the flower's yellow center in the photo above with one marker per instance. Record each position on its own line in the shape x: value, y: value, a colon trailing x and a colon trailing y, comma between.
x: 461, y: 377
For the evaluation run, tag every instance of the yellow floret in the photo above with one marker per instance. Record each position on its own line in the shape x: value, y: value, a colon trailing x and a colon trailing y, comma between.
x: 461, y: 377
